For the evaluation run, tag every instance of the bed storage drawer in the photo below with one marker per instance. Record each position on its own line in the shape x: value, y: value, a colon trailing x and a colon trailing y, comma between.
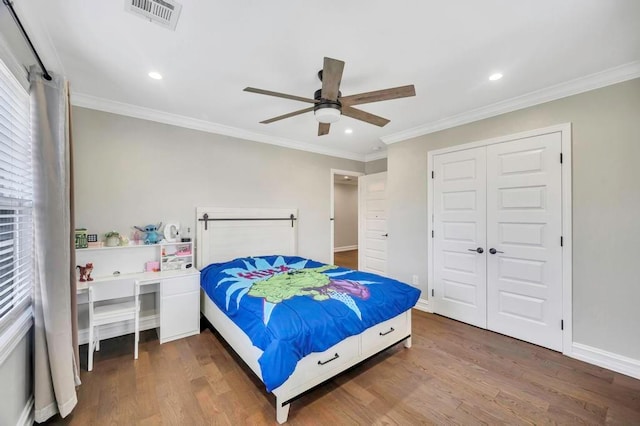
x: 339, y: 354
x: 385, y: 333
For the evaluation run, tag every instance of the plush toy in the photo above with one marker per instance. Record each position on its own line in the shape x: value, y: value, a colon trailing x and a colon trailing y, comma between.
x: 85, y: 272
x: 151, y: 233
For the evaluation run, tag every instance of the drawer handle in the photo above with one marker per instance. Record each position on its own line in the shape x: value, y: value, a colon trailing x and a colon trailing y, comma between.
x: 336, y: 356
x: 390, y: 331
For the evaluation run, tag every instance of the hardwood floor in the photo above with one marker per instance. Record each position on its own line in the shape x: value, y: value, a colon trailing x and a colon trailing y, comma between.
x: 453, y: 374
x: 348, y: 259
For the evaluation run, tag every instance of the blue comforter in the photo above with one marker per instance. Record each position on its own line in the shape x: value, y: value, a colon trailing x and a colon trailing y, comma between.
x: 291, y: 306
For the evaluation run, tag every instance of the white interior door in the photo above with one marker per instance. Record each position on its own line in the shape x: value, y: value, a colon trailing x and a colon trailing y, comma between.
x: 459, y: 202
x: 372, y: 238
x: 506, y: 199
x: 524, y: 202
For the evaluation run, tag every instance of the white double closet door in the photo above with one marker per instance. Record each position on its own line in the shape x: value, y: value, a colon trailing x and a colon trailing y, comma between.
x: 497, y: 222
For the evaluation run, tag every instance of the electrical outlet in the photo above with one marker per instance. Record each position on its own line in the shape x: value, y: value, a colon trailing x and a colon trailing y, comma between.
x: 415, y: 281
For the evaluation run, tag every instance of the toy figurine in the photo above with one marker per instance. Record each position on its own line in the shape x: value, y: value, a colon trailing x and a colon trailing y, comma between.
x: 151, y: 234
x: 85, y: 272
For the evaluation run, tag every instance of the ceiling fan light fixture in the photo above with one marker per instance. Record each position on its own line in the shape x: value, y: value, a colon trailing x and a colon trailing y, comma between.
x: 327, y: 113
x: 328, y: 103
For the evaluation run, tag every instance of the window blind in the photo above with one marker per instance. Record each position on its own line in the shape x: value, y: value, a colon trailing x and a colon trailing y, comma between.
x: 16, y: 199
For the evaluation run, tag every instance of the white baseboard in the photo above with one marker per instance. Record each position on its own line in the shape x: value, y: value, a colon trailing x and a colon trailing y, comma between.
x: 423, y: 305
x: 27, y: 417
x: 120, y: 328
x: 618, y: 363
x: 345, y: 248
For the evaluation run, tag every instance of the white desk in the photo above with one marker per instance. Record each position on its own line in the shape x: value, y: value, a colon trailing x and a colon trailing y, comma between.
x: 177, y: 303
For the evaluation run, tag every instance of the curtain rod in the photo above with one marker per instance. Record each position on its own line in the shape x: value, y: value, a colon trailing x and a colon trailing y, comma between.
x: 7, y: 3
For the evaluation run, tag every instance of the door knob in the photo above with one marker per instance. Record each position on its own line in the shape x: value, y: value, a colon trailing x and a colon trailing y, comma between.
x: 479, y: 250
x: 494, y: 251
x: 385, y: 235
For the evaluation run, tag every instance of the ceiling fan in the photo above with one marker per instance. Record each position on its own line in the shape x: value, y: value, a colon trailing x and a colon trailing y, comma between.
x: 329, y: 104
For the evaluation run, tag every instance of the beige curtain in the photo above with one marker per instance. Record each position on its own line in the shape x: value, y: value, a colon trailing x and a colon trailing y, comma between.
x: 55, y: 354
x: 72, y: 237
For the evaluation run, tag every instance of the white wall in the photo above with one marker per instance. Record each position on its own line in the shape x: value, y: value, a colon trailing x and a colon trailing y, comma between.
x: 346, y: 215
x: 606, y: 202
x: 134, y: 172
x: 375, y: 166
x: 16, y: 377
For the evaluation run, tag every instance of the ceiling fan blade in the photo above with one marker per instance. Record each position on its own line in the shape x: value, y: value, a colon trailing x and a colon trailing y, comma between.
x: 331, y: 77
x: 279, y: 95
x: 367, y: 117
x: 291, y: 114
x: 323, y: 128
x: 379, y: 95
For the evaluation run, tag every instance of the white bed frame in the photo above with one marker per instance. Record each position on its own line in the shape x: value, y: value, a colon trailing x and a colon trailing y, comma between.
x: 223, y: 240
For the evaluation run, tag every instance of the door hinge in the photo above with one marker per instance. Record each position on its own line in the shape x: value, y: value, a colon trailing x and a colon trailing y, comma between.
x: 561, y: 324
x: 433, y: 175
x: 560, y: 158
x: 431, y: 233
x: 433, y: 294
x: 561, y: 241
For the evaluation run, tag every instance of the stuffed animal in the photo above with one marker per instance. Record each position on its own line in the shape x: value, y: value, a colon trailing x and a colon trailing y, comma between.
x: 85, y: 272
x: 151, y: 233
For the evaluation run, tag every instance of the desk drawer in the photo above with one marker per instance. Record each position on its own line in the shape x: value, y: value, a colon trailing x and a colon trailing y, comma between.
x: 386, y: 333
x: 179, y: 285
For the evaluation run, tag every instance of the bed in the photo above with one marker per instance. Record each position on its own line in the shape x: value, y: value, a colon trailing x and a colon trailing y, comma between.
x: 295, y: 322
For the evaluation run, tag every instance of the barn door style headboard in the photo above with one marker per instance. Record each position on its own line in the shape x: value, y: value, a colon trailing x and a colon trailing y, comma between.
x: 223, y: 234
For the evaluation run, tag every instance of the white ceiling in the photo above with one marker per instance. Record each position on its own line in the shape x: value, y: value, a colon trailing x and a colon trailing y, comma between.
x: 447, y: 49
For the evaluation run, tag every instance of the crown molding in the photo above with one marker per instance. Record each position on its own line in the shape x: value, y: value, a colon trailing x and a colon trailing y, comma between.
x: 377, y: 155
x: 573, y: 87
x: 114, y: 107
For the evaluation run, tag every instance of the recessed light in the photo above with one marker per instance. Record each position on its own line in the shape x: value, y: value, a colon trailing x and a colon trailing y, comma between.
x: 348, y: 131
x: 155, y: 75
x: 496, y: 76
x: 347, y: 178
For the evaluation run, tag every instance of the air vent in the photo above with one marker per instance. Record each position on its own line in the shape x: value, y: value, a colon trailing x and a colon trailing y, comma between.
x: 162, y: 12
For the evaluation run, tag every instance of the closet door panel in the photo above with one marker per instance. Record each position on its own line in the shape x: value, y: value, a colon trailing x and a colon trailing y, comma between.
x: 459, y: 230
x: 524, y: 275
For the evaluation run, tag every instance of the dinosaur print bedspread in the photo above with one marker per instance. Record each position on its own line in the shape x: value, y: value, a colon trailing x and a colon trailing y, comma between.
x: 290, y: 306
